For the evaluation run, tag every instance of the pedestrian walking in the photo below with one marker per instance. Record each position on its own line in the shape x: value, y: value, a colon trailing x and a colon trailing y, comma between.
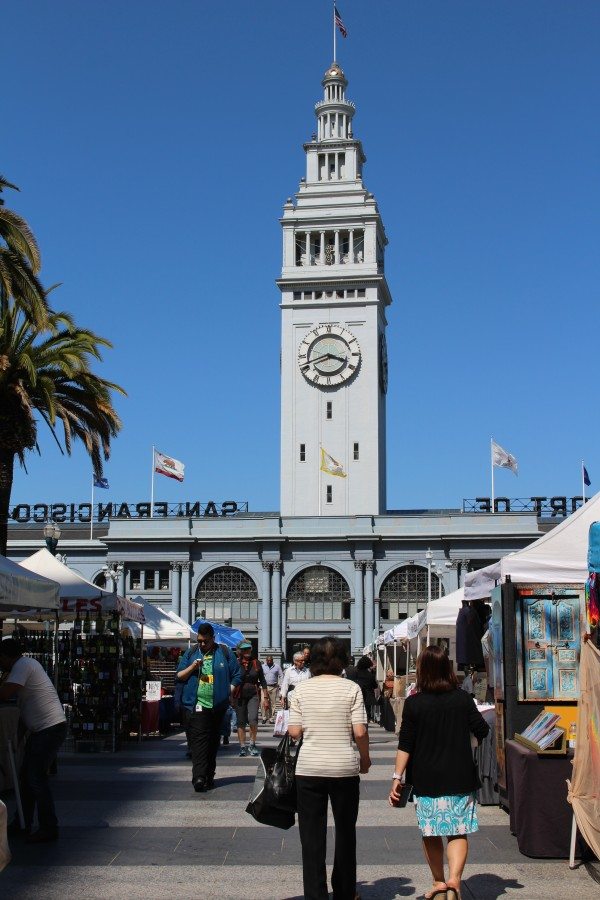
x: 218, y: 673
x: 187, y: 686
x: 364, y: 677
x: 293, y: 676
x: 328, y: 713
x: 248, y: 695
x: 43, y: 717
x: 434, y: 749
x: 273, y: 675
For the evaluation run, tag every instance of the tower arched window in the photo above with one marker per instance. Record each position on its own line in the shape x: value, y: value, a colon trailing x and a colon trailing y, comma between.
x: 318, y: 594
x: 100, y: 581
x: 227, y: 593
x: 404, y: 592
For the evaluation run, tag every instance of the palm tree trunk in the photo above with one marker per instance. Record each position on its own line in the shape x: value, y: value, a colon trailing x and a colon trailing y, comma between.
x: 7, y: 461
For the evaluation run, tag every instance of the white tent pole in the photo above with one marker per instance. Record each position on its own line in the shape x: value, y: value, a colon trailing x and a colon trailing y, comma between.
x: 395, y: 651
x: 573, y: 841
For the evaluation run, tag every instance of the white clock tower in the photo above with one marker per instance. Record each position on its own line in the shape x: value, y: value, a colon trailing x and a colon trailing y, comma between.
x: 333, y: 351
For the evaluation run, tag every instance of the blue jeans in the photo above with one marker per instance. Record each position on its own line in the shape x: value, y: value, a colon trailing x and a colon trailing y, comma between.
x: 40, y: 752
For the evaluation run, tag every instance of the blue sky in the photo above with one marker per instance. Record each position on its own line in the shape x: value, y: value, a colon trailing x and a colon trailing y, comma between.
x: 155, y: 143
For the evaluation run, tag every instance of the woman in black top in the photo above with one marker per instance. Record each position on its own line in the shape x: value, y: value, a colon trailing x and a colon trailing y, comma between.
x: 363, y: 675
x: 434, y: 747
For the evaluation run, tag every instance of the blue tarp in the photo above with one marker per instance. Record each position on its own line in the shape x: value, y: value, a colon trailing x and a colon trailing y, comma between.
x: 223, y: 635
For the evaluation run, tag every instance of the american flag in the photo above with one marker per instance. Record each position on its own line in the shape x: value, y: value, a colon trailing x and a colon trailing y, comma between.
x: 339, y: 23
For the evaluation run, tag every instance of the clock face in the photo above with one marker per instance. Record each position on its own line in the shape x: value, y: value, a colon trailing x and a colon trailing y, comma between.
x: 383, y: 363
x: 329, y: 355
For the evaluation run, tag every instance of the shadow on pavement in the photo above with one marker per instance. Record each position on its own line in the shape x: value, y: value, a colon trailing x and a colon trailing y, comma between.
x: 386, y: 887
x: 488, y: 887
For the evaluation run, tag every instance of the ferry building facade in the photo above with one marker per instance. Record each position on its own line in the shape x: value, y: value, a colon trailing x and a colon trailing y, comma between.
x: 333, y: 559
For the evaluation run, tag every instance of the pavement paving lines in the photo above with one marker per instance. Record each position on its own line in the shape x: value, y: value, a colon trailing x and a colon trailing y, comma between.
x: 133, y: 827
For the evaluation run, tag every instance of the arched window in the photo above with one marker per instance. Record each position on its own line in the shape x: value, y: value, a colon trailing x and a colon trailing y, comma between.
x: 404, y: 592
x: 227, y: 593
x: 318, y: 594
x: 100, y: 581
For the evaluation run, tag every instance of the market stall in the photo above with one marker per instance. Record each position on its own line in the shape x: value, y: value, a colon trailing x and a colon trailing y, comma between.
x: 100, y: 673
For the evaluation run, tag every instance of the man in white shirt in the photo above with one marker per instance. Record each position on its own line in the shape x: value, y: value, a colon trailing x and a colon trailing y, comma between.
x: 293, y: 676
x: 273, y: 675
x: 42, y: 714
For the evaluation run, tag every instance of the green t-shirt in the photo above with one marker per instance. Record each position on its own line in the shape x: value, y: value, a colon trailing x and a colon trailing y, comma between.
x: 204, y: 697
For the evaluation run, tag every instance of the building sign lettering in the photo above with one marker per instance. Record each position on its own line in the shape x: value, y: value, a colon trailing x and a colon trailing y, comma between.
x: 82, y: 512
x: 543, y: 507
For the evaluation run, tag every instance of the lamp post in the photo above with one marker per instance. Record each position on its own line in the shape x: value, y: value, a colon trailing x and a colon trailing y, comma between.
x: 51, y: 536
x: 113, y: 571
x: 428, y: 557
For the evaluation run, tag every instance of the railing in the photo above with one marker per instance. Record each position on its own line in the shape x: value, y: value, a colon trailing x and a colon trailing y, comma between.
x: 543, y: 507
x: 321, y: 103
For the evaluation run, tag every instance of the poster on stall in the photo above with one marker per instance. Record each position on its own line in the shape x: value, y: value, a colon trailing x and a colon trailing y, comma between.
x: 153, y: 690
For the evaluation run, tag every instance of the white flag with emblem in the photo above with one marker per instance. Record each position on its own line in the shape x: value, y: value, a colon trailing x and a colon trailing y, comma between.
x: 502, y: 459
x: 330, y: 465
x: 166, y: 465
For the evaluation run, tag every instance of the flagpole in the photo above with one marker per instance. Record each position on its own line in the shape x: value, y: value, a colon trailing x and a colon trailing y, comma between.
x: 92, y: 511
x: 492, y: 462
x: 583, y: 480
x: 334, y: 34
x: 319, y: 479
x: 152, y: 486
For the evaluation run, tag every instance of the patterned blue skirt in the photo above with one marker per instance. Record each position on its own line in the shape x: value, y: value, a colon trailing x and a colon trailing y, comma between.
x: 447, y: 816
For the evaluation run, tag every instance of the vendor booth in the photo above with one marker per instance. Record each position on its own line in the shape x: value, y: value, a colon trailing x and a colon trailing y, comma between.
x: 538, y: 608
x: 99, y: 674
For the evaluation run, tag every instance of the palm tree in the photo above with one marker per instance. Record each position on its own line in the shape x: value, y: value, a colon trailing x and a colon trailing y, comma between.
x: 20, y: 263
x: 45, y: 376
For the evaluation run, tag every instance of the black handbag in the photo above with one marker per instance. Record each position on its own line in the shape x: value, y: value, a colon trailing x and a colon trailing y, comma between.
x: 280, y: 783
x: 261, y: 806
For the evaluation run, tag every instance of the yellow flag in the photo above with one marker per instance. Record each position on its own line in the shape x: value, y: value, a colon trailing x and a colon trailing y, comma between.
x: 330, y: 465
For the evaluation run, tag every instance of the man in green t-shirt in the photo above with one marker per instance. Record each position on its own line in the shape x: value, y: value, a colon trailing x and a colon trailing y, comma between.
x: 218, y: 673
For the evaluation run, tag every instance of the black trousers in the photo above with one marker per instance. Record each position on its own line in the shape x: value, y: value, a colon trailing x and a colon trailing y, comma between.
x: 313, y: 794
x: 204, y: 734
x: 40, y: 752
x: 185, y: 715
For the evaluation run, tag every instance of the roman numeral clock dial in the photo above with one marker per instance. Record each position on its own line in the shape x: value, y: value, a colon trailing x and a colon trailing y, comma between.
x: 329, y: 355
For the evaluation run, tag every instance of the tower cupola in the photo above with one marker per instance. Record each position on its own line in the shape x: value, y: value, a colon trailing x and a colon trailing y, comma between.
x: 334, y: 111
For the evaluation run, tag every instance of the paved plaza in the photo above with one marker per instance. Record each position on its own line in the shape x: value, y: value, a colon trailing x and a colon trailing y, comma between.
x: 132, y: 827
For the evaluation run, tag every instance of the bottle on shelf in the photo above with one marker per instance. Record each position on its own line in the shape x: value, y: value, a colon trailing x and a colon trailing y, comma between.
x: 572, y: 736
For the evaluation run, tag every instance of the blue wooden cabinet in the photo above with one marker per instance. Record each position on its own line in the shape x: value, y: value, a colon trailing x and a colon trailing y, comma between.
x: 548, y: 642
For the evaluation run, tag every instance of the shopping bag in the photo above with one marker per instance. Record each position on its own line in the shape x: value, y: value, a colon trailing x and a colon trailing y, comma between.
x: 282, y: 720
x: 261, y: 806
x: 280, y: 781
x: 5, y: 856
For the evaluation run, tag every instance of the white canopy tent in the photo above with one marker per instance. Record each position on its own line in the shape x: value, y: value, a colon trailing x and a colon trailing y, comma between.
x: 558, y: 557
x: 77, y: 594
x: 160, y: 627
x: 21, y: 590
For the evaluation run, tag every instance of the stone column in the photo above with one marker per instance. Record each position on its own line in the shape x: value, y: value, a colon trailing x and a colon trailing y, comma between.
x: 351, y: 245
x: 358, y: 633
x: 186, y: 605
x: 264, y: 636
x: 276, y: 606
x: 307, y: 248
x: 122, y: 580
x: 176, y: 588
x: 337, y: 248
x: 322, y: 249
x: 369, y: 601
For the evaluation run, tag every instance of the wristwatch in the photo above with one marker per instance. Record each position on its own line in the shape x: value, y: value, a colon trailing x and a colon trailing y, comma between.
x: 396, y: 777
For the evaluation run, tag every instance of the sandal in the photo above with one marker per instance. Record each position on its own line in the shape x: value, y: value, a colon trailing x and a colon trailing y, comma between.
x: 453, y: 893
x: 440, y: 893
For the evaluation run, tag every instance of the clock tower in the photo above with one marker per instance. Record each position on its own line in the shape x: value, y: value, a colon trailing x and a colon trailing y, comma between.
x: 333, y: 301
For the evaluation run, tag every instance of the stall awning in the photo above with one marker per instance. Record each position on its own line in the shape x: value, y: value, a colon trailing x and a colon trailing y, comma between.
x: 76, y: 593
x: 25, y: 590
x: 161, y: 626
x: 481, y: 583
